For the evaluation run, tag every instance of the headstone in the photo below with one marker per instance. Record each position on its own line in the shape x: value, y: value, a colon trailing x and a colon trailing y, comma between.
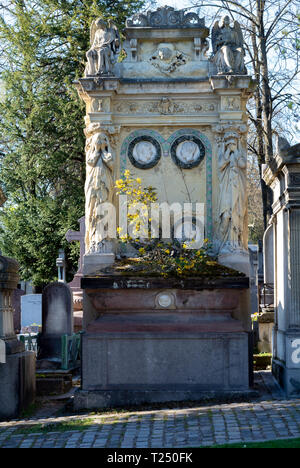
x: 31, y: 312
x: 16, y: 305
x: 283, y: 176
x: 57, y: 320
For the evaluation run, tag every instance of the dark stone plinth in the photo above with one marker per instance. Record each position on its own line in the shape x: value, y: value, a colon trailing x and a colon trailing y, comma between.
x: 17, y: 388
x: 53, y: 383
x: 132, y: 282
x: 152, y: 340
x: 93, y: 400
x: 57, y: 319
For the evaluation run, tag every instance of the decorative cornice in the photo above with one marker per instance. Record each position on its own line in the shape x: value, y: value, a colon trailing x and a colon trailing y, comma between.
x: 166, y: 17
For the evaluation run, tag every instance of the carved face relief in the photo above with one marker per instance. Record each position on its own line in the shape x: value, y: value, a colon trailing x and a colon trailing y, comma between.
x: 187, y: 152
x: 144, y: 152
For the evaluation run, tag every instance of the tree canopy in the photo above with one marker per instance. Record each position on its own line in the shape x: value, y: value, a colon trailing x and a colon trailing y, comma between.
x: 42, y: 160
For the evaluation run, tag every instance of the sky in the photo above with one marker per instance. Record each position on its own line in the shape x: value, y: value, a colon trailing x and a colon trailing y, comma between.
x: 179, y: 4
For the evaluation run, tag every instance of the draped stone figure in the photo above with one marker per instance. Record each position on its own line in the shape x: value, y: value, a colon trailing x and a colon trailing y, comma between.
x: 99, y: 184
x: 233, y: 193
x: 228, y: 47
x: 105, y: 43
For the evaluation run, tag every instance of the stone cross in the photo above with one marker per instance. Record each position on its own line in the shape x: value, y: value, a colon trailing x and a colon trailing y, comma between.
x: 72, y: 236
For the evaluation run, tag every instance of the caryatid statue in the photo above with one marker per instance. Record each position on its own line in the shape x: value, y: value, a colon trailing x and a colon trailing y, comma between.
x: 232, y: 162
x: 228, y: 47
x: 99, y: 184
x: 105, y: 44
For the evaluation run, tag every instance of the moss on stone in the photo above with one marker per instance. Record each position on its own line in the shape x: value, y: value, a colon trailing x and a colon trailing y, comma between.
x: 137, y: 266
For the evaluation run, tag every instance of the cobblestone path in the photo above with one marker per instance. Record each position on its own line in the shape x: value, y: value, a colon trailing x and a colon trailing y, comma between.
x: 202, y: 425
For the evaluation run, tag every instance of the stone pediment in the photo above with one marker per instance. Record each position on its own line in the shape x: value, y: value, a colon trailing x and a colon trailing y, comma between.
x: 165, y: 42
x: 166, y: 17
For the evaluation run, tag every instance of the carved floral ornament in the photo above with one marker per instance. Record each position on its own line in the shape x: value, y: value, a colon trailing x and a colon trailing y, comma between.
x: 240, y: 128
x: 166, y: 17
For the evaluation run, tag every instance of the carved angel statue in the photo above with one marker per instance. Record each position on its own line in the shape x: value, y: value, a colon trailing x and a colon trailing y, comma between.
x: 99, y: 183
x: 233, y: 193
x: 105, y: 44
x: 228, y: 47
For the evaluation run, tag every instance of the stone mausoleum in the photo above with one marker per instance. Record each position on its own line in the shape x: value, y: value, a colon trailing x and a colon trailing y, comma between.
x: 174, y: 114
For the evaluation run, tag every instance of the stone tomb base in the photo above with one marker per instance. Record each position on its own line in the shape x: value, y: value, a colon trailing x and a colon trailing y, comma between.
x: 17, y: 384
x: 153, y: 340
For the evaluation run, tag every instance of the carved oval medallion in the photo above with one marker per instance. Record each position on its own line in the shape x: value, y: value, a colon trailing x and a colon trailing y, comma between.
x: 165, y: 300
x: 144, y: 152
x: 187, y: 152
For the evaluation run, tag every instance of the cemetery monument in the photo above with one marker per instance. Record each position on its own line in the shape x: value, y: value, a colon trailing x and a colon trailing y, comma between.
x: 176, y: 119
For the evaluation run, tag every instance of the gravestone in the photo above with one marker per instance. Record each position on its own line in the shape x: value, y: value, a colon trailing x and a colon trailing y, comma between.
x: 16, y: 305
x: 31, y: 312
x: 176, y: 119
x: 282, y: 174
x: 57, y: 320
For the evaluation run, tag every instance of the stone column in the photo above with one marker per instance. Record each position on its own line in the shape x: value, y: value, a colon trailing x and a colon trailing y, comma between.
x: 8, y: 282
x: 17, y: 367
x: 283, y: 176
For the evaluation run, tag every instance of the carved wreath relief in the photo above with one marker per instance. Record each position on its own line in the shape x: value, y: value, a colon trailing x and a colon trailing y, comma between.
x: 167, y: 58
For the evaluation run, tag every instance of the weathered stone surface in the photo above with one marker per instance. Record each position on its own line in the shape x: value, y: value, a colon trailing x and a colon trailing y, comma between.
x: 169, y: 119
x: 50, y: 384
x: 138, y: 343
x: 17, y: 389
x: 57, y: 319
x: 281, y: 174
x: 17, y: 373
x: 16, y: 305
x: 167, y: 90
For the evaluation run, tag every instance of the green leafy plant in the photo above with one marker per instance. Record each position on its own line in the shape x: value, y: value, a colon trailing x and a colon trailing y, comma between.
x: 156, y: 256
